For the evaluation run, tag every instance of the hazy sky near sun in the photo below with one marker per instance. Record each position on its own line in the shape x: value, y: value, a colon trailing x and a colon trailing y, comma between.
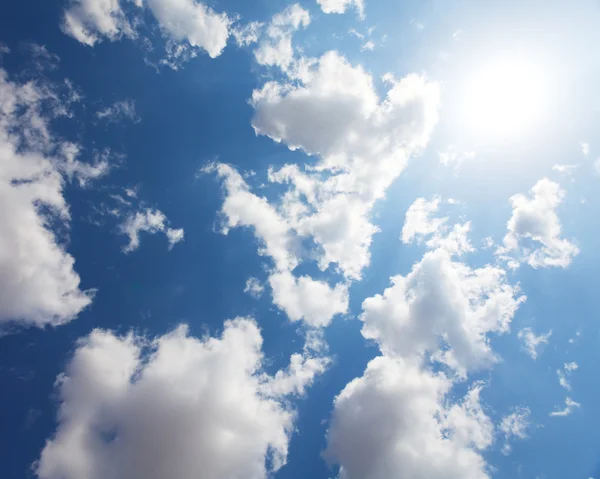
x: 332, y: 238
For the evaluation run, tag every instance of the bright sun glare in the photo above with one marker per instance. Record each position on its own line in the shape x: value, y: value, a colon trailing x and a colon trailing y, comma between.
x: 504, y: 98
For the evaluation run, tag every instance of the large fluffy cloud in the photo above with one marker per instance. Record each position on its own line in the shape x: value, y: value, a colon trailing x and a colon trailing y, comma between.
x: 442, y: 302
x: 399, y: 418
x: 314, y: 302
x: 360, y: 143
x: 186, y: 408
x: 534, y: 220
x: 392, y: 422
x: 38, y: 283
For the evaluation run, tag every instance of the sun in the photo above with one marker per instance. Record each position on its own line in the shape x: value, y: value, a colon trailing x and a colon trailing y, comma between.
x: 504, y: 98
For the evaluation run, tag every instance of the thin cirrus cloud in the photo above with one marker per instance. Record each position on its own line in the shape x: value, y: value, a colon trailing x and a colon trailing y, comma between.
x: 119, y: 111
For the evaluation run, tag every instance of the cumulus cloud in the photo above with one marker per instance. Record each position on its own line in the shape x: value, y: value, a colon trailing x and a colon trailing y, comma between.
x: 176, y: 406
x: 275, y: 48
x: 248, y: 34
x: 340, y: 6
x: 192, y: 22
x: 391, y: 422
x: 306, y: 299
x: 90, y: 21
x: 254, y: 288
x: 362, y: 145
x: 534, y: 230
x: 419, y: 221
x: 150, y: 221
x: 445, y: 308
x: 187, y: 23
x: 314, y: 302
x: 118, y: 111
x: 570, y: 406
x: 514, y: 425
x: 242, y: 208
x: 38, y: 283
x: 532, y: 343
x: 399, y: 419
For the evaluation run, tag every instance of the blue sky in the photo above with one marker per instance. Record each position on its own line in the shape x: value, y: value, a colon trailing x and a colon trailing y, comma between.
x: 333, y: 238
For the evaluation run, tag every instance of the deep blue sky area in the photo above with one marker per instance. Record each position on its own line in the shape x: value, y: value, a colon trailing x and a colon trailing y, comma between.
x: 201, y: 113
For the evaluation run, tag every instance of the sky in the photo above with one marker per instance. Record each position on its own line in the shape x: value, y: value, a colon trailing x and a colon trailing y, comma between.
x: 350, y: 239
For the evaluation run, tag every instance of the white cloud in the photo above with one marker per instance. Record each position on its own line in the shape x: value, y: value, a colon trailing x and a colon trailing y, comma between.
x: 597, y: 166
x: 452, y: 158
x: 323, y: 215
x: 300, y: 374
x: 306, y: 299
x: 192, y: 22
x: 275, y: 48
x: 185, y: 408
x: 565, y: 169
x: 570, y: 367
x: 254, y: 288
x: 42, y: 58
x: 392, y: 422
x: 368, y: 46
x: 188, y: 21
x: 570, y: 406
x: 340, y: 6
x: 150, y: 221
x: 418, y: 221
x: 534, y: 220
x: 362, y: 143
x: 174, y: 236
x: 120, y: 110
x: 89, y: 21
x: 514, y: 425
x: 531, y: 342
x: 563, y: 374
x: 441, y: 303
x: 585, y: 148
x: 38, y: 283
x: 248, y: 34
x: 243, y: 208
x: 399, y: 419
